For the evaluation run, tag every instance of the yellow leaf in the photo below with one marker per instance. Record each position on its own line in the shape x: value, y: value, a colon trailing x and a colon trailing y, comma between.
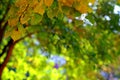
x: 21, y: 29
x: 13, y: 22
x: 118, y: 1
x: 24, y: 18
x: 92, y: 1
x: 48, y: 2
x: 82, y: 6
x: 15, y: 35
x: 68, y: 3
x: 33, y: 4
x: 20, y: 3
x: 40, y: 9
x: 7, y: 34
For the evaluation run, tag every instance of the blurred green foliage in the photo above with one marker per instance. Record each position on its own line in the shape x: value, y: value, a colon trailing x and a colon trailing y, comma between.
x: 88, y: 45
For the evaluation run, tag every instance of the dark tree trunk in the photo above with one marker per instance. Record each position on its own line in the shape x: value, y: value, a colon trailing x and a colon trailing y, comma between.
x: 9, y: 52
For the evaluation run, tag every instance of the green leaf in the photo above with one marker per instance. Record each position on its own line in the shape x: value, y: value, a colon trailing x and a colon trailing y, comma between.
x: 35, y: 19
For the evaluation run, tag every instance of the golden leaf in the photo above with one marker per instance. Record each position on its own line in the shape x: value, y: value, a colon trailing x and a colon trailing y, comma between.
x: 24, y: 18
x: 20, y: 3
x: 13, y: 22
x: 16, y: 35
x: 92, y: 1
x: 118, y: 1
x: 33, y: 4
x: 21, y: 29
x: 7, y: 34
x: 68, y: 3
x: 40, y: 9
x: 82, y: 6
x: 48, y: 2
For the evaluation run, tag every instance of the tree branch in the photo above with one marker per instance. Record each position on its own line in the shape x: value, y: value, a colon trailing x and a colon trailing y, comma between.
x: 11, y: 45
x: 9, y: 52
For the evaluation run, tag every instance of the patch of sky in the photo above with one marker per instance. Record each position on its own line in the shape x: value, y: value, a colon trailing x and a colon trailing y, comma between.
x: 107, y: 18
x: 58, y: 60
x: 44, y: 53
x: 36, y: 42
x: 84, y: 19
x: 69, y: 20
x: 117, y: 9
x: 30, y: 52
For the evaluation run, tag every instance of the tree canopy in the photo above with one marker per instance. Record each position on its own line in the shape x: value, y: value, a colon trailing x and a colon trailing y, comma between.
x: 85, y: 33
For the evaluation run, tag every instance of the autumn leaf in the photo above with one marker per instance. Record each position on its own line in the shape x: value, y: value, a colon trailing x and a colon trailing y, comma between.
x: 68, y: 3
x: 92, y: 1
x: 33, y: 4
x: 20, y: 3
x: 82, y: 6
x: 7, y: 34
x: 25, y: 18
x: 16, y: 35
x: 13, y: 22
x: 22, y: 6
x: 40, y: 9
x: 48, y: 2
x: 118, y: 1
